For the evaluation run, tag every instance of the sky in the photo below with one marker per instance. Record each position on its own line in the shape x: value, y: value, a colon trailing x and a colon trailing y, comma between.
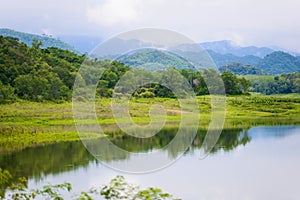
x: 246, y: 22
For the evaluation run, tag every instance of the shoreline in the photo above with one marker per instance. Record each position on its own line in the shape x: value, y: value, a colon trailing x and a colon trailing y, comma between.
x: 25, y: 124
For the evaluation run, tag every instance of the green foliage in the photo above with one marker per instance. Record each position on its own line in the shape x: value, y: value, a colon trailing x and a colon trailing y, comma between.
x: 52, y: 191
x: 152, y: 193
x: 144, y: 92
x: 19, y: 191
x: 117, y: 189
x: 5, y: 181
x: 244, y: 85
x: 281, y: 84
x: 8, y: 183
x: 231, y: 83
x: 6, y: 93
x: 36, y: 74
x: 153, y: 60
x: 241, y: 69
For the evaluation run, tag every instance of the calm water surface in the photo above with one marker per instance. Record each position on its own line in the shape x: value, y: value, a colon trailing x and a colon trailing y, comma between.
x: 258, y: 163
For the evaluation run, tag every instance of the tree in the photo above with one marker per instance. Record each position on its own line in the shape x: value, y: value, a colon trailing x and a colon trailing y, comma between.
x: 56, y: 89
x: 213, y: 81
x: 6, y: 93
x: 200, y: 85
x: 103, y: 90
x: 296, y: 85
x: 231, y: 83
x: 36, y: 44
x: 244, y: 84
x: 31, y: 87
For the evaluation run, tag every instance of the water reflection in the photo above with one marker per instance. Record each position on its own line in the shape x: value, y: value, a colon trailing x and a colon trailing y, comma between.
x: 36, y: 162
x: 40, y: 161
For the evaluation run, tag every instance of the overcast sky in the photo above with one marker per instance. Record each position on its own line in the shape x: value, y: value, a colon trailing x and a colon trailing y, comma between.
x: 257, y: 22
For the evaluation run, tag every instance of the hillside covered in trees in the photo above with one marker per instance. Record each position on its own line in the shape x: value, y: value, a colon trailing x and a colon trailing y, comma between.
x: 279, y: 62
x: 242, y: 69
x: 37, y: 74
x: 223, y: 53
x: 154, y: 60
x: 275, y: 63
x: 47, y: 41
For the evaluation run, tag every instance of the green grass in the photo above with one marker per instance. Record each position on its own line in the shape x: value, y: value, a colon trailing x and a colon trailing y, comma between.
x: 24, y: 124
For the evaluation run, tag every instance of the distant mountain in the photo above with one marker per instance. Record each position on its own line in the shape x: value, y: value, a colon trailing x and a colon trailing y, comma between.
x: 224, y: 59
x: 228, y: 47
x: 274, y: 63
x: 279, y: 62
x: 152, y: 59
x: 242, y: 69
x: 47, y: 41
x: 223, y: 53
x: 81, y: 42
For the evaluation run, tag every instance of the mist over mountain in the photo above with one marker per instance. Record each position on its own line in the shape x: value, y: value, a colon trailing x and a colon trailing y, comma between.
x: 224, y: 59
x: 275, y: 63
x: 228, y: 47
x: 83, y: 43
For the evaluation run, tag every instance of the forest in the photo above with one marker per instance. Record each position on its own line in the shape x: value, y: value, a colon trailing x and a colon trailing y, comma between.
x: 38, y: 74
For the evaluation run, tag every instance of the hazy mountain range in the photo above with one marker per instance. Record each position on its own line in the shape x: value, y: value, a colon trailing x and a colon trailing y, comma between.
x: 83, y: 43
x: 225, y: 54
x: 228, y: 47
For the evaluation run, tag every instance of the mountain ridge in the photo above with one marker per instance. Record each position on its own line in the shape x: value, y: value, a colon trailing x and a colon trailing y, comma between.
x: 224, y: 53
x: 47, y: 41
x: 279, y: 62
x: 228, y: 47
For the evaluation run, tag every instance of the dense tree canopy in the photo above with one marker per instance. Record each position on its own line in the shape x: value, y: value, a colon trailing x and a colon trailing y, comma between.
x: 281, y: 84
x: 36, y: 74
x: 241, y: 69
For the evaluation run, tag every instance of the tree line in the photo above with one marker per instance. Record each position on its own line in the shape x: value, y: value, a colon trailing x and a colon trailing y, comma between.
x: 37, y: 74
x: 280, y: 84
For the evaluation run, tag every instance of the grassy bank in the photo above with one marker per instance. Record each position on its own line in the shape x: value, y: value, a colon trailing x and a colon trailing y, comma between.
x: 24, y: 124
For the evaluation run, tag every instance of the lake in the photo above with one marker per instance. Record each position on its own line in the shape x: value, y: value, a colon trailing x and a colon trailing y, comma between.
x: 257, y: 163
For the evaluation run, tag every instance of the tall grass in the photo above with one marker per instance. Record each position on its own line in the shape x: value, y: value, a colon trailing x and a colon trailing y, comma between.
x: 24, y: 124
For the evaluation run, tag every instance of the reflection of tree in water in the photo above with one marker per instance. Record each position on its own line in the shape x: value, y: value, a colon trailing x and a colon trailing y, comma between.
x: 50, y: 159
x: 56, y: 158
x: 229, y: 140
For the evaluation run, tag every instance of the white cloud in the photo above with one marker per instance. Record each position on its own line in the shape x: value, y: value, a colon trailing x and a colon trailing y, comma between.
x: 267, y: 22
x: 114, y: 12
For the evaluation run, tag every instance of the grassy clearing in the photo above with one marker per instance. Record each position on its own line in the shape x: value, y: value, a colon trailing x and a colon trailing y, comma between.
x: 25, y: 124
